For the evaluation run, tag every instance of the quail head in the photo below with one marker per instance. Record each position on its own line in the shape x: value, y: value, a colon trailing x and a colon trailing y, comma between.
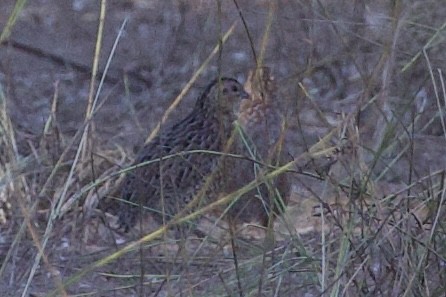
x: 181, y: 157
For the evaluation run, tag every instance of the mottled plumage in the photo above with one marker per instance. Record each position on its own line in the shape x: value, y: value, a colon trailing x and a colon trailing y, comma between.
x: 261, y: 138
x: 167, y: 186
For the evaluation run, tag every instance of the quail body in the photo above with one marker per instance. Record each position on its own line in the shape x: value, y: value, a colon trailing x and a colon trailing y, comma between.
x: 181, y: 157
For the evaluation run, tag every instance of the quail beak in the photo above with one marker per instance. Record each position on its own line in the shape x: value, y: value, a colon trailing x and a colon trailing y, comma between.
x: 244, y: 95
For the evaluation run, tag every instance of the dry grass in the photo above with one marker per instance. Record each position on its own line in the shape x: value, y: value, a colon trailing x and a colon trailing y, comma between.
x: 365, y: 114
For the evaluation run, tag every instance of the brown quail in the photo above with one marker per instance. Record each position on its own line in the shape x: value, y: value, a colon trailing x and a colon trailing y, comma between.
x: 261, y: 138
x: 175, y: 176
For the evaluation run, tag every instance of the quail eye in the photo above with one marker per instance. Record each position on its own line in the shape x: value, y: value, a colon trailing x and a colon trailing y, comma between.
x: 234, y: 88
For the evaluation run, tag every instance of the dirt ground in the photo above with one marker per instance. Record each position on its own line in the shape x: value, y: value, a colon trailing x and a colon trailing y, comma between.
x: 357, y: 67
